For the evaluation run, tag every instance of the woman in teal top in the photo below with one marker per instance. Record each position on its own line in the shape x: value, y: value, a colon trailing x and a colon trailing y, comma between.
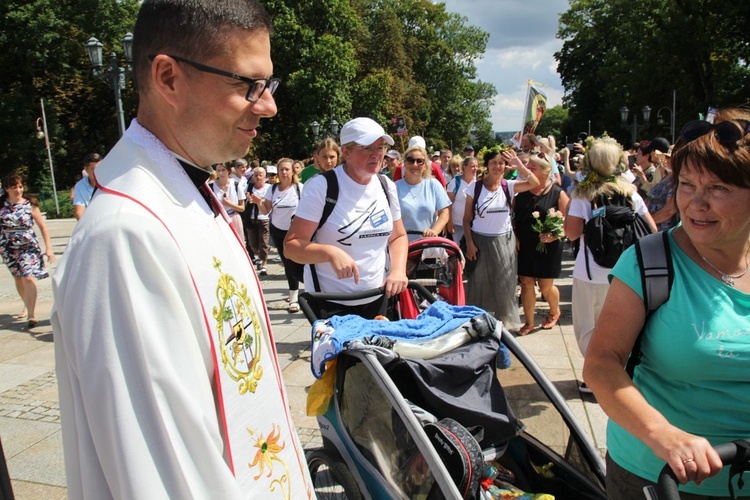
x: 692, y: 387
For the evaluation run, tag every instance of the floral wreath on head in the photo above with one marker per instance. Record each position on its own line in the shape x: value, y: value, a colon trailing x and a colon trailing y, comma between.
x: 594, y: 178
x: 497, y: 148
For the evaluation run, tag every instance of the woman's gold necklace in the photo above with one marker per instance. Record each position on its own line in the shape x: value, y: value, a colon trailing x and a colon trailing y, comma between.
x: 728, y: 279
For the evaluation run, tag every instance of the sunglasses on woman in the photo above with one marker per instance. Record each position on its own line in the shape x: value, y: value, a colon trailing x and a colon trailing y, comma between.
x: 726, y: 132
x: 417, y: 161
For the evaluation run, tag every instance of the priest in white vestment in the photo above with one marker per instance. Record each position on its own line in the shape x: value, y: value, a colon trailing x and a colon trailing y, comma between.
x: 168, y: 375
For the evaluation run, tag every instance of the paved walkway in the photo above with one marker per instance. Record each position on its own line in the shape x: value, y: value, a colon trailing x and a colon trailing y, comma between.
x: 29, y: 414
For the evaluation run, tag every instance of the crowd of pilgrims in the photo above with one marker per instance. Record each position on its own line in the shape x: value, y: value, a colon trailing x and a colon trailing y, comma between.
x: 520, y: 187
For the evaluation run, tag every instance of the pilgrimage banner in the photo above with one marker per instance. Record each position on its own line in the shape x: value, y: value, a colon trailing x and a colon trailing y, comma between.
x: 536, y: 105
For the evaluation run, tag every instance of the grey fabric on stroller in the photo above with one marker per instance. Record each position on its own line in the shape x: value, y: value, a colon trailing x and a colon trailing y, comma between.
x: 462, y: 385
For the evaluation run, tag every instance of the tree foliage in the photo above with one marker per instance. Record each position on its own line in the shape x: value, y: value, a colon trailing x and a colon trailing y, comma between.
x: 636, y: 52
x: 43, y: 56
x: 552, y: 124
x: 337, y: 59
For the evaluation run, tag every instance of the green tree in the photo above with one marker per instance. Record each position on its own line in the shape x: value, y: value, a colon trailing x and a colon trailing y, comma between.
x: 552, y: 124
x: 42, y: 54
x: 337, y: 59
x: 635, y: 52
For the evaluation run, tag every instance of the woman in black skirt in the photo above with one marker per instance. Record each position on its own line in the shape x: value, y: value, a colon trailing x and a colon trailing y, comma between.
x: 535, y: 266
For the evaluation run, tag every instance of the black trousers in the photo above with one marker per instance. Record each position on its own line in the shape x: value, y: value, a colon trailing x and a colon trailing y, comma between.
x: 292, y: 270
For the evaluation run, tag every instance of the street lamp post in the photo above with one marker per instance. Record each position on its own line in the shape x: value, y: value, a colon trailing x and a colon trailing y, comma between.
x: 662, y: 122
x: 41, y: 133
x: 114, y: 75
x: 672, y: 115
x: 624, y: 111
x: 333, y: 128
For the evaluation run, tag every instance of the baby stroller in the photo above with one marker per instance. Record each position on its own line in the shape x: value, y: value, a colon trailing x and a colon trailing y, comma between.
x: 437, y: 264
x: 386, y: 425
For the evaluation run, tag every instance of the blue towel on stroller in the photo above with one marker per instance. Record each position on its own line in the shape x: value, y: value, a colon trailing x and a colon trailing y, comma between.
x: 330, y: 335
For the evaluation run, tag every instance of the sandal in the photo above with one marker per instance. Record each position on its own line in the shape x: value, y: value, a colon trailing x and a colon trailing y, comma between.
x: 525, y: 330
x: 32, y: 323
x: 293, y: 307
x: 551, y: 321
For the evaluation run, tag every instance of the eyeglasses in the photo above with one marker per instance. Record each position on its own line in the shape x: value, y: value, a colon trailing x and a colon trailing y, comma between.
x: 416, y: 161
x: 726, y: 132
x: 372, y: 149
x: 256, y: 85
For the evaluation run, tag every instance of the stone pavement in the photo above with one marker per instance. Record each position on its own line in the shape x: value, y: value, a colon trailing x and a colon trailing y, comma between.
x: 29, y: 414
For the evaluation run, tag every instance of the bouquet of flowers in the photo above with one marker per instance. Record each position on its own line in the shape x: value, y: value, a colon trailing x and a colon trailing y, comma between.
x: 553, y: 224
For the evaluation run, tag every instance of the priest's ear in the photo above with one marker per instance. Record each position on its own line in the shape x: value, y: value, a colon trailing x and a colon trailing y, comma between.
x: 169, y: 79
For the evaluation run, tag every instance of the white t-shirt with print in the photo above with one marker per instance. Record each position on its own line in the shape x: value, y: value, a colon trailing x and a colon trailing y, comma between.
x: 492, y: 216
x: 581, y: 208
x: 262, y: 191
x: 360, y: 224
x: 283, y: 205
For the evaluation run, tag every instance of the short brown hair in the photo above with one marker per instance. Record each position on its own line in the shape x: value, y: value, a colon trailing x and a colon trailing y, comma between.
x: 730, y: 162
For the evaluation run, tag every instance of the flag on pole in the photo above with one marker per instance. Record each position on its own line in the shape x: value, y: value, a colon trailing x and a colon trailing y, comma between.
x: 536, y: 105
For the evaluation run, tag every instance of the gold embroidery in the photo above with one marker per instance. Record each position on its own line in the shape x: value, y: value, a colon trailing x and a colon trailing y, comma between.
x: 267, y: 454
x: 236, y: 316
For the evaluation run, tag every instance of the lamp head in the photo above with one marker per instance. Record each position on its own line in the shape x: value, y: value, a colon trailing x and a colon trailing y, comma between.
x: 624, y: 114
x: 39, y: 134
x: 94, y: 50
x: 127, y: 47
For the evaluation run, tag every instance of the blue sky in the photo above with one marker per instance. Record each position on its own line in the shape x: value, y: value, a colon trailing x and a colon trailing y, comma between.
x: 521, y: 47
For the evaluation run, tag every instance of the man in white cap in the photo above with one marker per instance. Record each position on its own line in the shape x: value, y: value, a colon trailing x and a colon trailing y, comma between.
x: 343, y: 243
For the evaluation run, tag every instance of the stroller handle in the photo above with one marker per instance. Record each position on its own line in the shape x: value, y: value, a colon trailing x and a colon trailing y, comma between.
x: 305, y: 297
x: 730, y: 453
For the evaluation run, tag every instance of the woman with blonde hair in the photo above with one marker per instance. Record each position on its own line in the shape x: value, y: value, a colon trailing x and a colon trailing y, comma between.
x: 280, y: 203
x: 535, y: 266
x: 456, y: 188
x: 424, y: 203
x: 602, y: 165
x: 327, y: 155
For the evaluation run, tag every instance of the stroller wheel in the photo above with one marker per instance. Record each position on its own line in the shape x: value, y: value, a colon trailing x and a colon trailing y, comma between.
x: 330, y: 476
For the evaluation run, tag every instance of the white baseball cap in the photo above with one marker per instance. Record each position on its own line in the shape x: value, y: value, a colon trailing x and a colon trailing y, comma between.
x: 417, y: 141
x: 363, y: 131
x: 271, y: 169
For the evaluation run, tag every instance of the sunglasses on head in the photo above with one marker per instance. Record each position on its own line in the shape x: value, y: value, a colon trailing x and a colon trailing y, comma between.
x: 726, y: 132
x: 417, y: 161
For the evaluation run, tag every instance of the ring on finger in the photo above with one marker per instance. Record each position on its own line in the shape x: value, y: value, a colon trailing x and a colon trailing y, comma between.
x: 688, y: 460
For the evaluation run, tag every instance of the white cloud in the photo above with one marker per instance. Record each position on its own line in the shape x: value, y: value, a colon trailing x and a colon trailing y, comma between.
x: 521, y: 47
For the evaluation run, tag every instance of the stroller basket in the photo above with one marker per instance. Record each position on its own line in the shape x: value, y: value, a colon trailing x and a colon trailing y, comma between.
x: 373, y: 427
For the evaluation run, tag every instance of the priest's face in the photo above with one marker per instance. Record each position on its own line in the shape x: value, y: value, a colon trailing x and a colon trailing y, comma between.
x: 217, y: 121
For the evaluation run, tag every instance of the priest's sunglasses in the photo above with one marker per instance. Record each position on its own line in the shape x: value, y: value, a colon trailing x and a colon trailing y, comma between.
x: 256, y: 85
x: 726, y: 132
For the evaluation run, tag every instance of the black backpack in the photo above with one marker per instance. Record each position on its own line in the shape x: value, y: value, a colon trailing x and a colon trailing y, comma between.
x: 613, y: 227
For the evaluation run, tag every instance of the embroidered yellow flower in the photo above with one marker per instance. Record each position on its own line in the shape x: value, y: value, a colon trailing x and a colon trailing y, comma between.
x: 268, y: 450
